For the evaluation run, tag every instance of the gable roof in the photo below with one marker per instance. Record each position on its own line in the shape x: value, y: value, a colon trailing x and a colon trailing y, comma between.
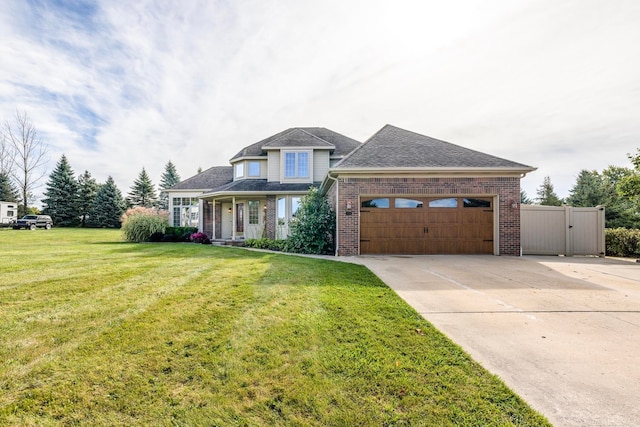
x: 395, y: 148
x: 302, y: 137
x: 216, y: 176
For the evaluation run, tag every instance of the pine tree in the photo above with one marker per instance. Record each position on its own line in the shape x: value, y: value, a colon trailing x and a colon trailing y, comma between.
x: 524, y: 199
x: 108, y: 206
x: 61, y: 195
x: 168, y: 179
x: 546, y: 194
x: 87, y: 190
x: 142, y: 192
x: 587, y: 191
x: 8, y: 192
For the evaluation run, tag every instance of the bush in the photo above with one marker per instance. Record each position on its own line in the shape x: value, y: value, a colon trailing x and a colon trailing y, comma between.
x: 181, y: 234
x: 622, y: 242
x: 264, y: 243
x: 200, y: 238
x: 138, y: 224
x: 313, y: 228
x: 156, y: 237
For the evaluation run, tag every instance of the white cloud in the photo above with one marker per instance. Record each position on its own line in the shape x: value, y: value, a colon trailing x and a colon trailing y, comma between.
x: 550, y: 84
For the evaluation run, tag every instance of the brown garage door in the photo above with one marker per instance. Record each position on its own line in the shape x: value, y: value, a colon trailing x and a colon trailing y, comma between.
x: 426, y: 225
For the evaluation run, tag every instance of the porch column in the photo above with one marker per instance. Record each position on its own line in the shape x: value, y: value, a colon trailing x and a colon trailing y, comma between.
x: 233, y: 218
x: 213, y: 218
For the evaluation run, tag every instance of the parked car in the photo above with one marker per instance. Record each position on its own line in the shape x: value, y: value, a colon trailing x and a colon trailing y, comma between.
x: 34, y: 221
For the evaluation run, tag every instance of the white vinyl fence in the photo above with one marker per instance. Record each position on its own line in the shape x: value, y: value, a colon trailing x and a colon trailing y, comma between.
x: 562, y: 230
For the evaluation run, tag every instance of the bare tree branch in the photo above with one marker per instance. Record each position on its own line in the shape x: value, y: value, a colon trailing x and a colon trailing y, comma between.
x: 7, y: 155
x: 30, y: 154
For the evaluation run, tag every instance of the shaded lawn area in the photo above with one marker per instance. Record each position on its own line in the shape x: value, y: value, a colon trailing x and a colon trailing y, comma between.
x: 97, y: 331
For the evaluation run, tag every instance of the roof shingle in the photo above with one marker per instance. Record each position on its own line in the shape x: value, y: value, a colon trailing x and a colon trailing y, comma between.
x: 392, y: 147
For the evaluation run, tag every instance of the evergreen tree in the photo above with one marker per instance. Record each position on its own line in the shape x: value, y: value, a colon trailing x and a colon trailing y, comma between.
x: 168, y: 179
x: 87, y: 190
x: 587, y: 190
x: 61, y: 195
x: 108, y: 206
x: 8, y: 192
x: 524, y: 199
x: 546, y: 194
x: 142, y: 192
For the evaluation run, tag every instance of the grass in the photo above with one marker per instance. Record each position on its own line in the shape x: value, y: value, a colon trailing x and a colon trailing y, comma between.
x: 97, y: 331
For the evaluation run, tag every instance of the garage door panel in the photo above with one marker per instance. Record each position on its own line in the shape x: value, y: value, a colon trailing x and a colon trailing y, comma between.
x: 425, y: 230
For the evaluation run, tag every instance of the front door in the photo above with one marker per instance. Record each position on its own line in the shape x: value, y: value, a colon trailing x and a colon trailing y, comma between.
x: 226, y: 220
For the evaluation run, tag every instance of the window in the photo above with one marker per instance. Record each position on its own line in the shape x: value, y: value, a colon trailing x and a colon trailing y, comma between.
x: 185, y: 212
x: 176, y: 216
x: 239, y: 170
x: 444, y: 203
x: 295, y: 205
x: 254, y: 168
x: 282, y: 210
x: 9, y: 213
x: 254, y: 212
x: 408, y: 203
x: 375, y: 203
x: 296, y: 165
x: 476, y: 203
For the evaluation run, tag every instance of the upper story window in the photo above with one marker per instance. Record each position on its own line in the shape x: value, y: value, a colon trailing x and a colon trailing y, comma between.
x: 254, y: 169
x: 296, y: 164
x: 239, y: 170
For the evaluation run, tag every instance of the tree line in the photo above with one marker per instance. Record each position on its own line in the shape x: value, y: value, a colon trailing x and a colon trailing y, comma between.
x: 616, y: 188
x: 69, y: 200
x: 81, y: 201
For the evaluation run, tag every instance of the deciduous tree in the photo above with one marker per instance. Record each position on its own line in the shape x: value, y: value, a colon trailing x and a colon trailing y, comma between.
x: 30, y: 155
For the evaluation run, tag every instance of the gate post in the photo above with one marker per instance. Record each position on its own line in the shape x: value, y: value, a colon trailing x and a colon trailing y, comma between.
x: 568, y: 231
x: 602, y: 244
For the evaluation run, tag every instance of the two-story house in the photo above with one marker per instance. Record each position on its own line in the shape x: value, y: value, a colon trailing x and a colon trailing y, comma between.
x: 399, y: 192
x: 260, y: 192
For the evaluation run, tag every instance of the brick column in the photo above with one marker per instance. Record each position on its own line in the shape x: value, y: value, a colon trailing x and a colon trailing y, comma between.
x: 270, y: 219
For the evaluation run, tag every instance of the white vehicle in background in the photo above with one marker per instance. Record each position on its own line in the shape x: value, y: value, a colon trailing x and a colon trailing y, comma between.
x: 8, y: 213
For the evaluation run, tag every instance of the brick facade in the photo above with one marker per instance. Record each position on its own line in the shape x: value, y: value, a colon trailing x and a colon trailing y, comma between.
x: 270, y: 218
x: 349, y: 191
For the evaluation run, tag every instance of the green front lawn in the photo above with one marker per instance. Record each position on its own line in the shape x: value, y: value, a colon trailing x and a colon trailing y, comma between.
x: 100, y: 332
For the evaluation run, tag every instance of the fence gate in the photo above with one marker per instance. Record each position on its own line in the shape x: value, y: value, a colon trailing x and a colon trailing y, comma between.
x: 562, y: 230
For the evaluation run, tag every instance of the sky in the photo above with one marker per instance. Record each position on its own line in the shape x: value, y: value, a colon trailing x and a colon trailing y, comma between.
x: 118, y: 85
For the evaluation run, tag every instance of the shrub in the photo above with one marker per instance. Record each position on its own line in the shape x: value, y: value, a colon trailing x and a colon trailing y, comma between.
x: 622, y: 242
x: 138, y: 224
x: 200, y: 238
x: 313, y: 228
x: 264, y: 243
x: 179, y: 232
x: 169, y: 238
x: 156, y: 237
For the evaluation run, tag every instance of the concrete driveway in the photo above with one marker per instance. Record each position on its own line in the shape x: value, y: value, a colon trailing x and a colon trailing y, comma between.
x: 563, y: 333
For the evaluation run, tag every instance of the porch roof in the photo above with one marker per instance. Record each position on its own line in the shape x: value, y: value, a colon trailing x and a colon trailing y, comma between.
x: 258, y: 186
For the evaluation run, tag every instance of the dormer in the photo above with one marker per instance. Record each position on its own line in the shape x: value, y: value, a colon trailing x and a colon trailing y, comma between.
x: 293, y: 156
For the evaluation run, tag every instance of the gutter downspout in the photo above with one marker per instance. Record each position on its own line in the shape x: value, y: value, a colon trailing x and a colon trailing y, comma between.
x: 337, y: 207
